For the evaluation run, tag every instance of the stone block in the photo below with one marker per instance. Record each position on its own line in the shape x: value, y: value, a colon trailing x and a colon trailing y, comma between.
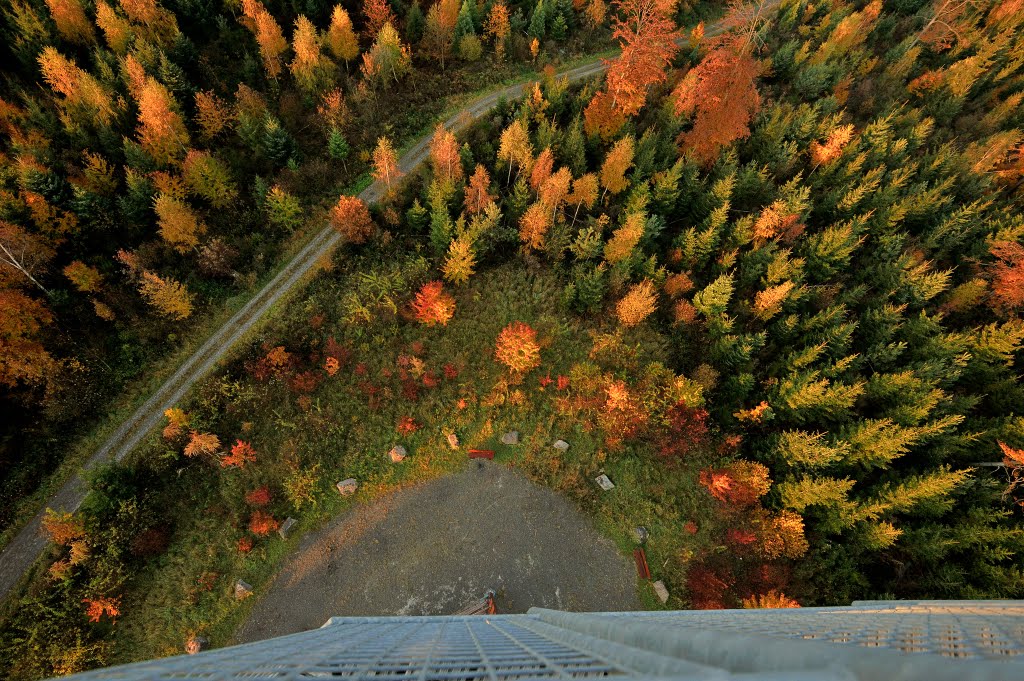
x: 660, y: 591
x: 286, y: 527
x: 196, y: 644
x: 604, y: 482
x: 242, y: 589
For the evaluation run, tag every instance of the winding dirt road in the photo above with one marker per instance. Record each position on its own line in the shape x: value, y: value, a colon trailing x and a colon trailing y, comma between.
x: 28, y: 545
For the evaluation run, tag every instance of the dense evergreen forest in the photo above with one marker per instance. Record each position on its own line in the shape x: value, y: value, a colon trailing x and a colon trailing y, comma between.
x: 766, y: 278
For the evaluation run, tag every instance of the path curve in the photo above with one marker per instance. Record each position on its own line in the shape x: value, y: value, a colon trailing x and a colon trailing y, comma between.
x: 436, y: 547
x: 30, y: 542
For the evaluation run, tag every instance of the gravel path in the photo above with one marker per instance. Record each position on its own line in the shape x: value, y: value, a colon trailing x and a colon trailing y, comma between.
x: 436, y: 547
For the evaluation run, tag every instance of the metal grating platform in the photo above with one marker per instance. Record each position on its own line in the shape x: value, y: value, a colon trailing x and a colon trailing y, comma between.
x: 925, y: 641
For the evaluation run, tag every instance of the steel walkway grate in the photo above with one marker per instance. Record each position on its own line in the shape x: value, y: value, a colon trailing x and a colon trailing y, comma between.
x: 925, y: 641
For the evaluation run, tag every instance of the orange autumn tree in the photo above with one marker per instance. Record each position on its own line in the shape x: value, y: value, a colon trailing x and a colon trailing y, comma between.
x: 433, y: 305
x: 517, y: 348
x: 515, y: 147
x: 268, y: 35
x: 720, y: 93
x: 341, y: 38
x: 351, y: 218
x: 241, y: 453
x: 385, y: 162
x: 212, y: 114
x: 534, y: 225
x: 177, y: 419
x: 161, y: 129
x: 638, y: 304
x: 72, y: 23
x: 23, y: 359
x: 499, y: 27
x: 1008, y: 274
x: 444, y: 155
x: 647, y: 34
x: 311, y: 70
x: 98, y: 607
x: 377, y: 13
x: 169, y: 296
x: 478, y: 196
x: 200, y: 444
x: 616, y: 163
x: 84, y: 98
x: 179, y: 226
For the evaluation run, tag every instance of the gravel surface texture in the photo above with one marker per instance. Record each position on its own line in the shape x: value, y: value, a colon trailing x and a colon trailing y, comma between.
x: 434, y: 548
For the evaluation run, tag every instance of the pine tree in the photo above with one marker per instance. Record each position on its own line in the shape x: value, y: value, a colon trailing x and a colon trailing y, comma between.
x: 415, y: 23
x: 538, y: 21
x: 464, y: 22
x: 337, y: 145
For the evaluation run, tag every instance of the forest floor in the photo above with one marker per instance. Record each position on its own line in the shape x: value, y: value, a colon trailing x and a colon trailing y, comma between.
x: 25, y: 548
x: 433, y: 548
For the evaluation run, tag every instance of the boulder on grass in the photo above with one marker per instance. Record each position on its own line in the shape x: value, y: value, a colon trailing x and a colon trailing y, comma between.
x: 286, y: 527
x: 661, y: 591
x: 604, y: 482
x: 561, y: 445
x: 196, y: 644
x: 510, y: 438
x: 243, y: 589
x: 453, y: 440
x: 397, y: 453
x: 347, y: 487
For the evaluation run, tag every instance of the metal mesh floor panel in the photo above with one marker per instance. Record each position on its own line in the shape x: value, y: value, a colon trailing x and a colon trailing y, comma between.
x: 868, y: 641
x: 404, y: 648
x: 952, y: 629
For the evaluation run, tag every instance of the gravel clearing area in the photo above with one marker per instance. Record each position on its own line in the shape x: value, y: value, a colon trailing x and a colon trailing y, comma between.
x: 433, y: 548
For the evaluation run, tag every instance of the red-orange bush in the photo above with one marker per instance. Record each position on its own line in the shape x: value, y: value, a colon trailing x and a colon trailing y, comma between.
x: 517, y: 348
x: 261, y: 524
